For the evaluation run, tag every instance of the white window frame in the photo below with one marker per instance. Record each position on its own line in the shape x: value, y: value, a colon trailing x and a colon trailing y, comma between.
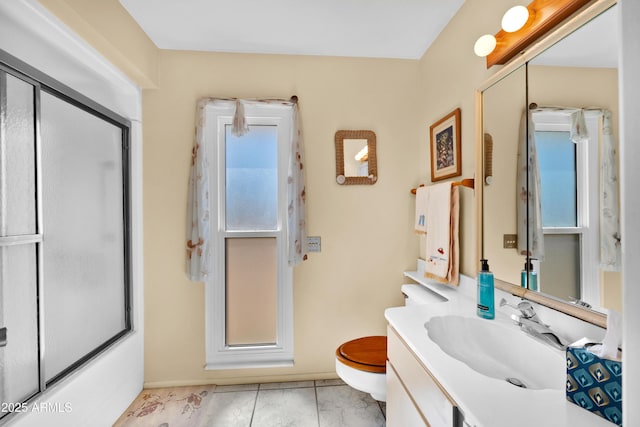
x: 219, y: 355
x: 587, y: 200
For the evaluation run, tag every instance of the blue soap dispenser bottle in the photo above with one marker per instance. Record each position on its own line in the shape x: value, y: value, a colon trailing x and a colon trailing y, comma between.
x: 529, y: 277
x: 486, y: 300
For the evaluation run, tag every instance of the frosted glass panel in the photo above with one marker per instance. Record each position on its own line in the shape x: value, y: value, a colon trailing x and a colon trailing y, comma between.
x: 19, y: 375
x: 84, y: 291
x: 252, y: 179
x: 561, y: 265
x: 17, y: 160
x: 557, y: 159
x: 251, y: 291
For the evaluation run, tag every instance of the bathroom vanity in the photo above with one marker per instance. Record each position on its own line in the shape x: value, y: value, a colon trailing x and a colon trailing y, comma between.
x: 430, y: 383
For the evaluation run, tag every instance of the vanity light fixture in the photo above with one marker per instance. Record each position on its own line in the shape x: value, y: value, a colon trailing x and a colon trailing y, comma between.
x: 484, y: 45
x: 515, y: 18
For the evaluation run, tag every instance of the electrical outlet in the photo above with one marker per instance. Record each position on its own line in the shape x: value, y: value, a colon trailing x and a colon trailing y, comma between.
x: 313, y: 244
x: 509, y: 241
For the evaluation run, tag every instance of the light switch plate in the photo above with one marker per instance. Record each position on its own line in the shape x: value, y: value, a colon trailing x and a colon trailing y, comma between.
x: 313, y: 244
x: 509, y: 241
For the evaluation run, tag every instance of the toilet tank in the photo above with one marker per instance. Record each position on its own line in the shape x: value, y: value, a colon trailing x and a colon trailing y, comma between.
x: 418, y: 294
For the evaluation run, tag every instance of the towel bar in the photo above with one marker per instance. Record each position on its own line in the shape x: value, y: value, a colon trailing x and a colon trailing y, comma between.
x: 467, y: 182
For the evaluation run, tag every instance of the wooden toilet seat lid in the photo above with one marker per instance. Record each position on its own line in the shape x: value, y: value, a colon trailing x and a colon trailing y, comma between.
x: 366, y: 354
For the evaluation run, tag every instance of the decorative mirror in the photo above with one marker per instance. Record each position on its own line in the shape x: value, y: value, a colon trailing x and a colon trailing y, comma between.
x: 538, y: 92
x: 356, y: 162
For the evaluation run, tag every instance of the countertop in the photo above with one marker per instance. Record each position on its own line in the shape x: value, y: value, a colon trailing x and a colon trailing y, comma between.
x: 484, y: 401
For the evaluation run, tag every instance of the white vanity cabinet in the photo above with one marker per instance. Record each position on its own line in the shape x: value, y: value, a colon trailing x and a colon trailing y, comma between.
x: 414, y: 396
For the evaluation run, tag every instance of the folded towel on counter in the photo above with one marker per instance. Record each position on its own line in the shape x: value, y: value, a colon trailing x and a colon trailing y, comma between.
x: 422, y: 201
x: 442, y: 242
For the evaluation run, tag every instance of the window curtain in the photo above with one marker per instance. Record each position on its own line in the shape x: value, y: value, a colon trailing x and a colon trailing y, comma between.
x: 198, y: 223
x: 198, y: 218
x: 610, y: 248
x: 529, y: 195
x: 579, y: 133
x: 296, y: 194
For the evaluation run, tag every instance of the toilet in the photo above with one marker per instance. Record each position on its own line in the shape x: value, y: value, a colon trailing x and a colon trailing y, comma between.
x: 362, y: 362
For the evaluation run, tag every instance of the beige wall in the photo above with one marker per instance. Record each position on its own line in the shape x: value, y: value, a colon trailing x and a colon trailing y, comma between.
x: 449, y: 75
x: 109, y: 28
x: 367, y: 241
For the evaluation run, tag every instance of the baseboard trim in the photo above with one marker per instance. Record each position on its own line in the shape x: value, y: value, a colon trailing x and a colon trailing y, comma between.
x: 242, y: 380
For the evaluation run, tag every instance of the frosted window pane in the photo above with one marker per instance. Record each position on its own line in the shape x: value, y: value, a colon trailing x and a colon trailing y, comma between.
x: 557, y: 159
x: 251, y: 291
x: 560, y: 271
x: 17, y: 160
x: 252, y: 179
x: 84, y: 290
x: 18, y: 313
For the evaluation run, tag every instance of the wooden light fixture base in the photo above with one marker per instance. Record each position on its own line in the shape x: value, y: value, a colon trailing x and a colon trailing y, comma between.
x: 543, y: 16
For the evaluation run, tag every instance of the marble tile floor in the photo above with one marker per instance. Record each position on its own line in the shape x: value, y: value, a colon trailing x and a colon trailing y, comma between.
x: 322, y: 403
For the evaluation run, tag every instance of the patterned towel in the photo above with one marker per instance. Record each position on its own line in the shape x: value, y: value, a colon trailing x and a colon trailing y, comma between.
x: 442, y: 241
x: 422, y: 201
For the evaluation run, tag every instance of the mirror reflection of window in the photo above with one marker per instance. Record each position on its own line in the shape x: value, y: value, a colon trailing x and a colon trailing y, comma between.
x: 569, y: 208
x: 557, y: 159
x: 558, y: 178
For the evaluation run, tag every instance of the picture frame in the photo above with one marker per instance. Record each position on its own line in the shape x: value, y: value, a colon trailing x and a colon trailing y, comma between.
x: 445, y: 147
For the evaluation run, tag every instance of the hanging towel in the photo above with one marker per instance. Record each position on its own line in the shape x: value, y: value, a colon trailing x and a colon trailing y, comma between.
x: 442, y: 242
x: 422, y: 201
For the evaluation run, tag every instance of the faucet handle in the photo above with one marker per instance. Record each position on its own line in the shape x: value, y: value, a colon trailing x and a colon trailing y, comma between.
x: 504, y: 302
x: 524, y: 307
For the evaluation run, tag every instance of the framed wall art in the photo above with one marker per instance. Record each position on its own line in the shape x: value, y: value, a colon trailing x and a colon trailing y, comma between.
x: 445, y: 147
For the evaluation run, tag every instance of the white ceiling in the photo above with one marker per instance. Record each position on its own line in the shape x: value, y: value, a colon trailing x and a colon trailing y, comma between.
x: 358, y: 28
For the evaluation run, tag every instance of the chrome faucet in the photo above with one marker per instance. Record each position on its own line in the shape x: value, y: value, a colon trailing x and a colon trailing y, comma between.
x: 530, y: 323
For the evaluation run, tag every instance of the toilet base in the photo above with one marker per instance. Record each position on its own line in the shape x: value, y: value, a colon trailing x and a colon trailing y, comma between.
x: 368, y: 382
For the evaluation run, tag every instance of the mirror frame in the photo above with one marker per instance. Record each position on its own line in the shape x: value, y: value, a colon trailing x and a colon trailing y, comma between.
x: 567, y: 27
x: 372, y: 164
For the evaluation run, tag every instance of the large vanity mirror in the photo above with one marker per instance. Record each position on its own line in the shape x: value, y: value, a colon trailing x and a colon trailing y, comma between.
x: 552, y: 119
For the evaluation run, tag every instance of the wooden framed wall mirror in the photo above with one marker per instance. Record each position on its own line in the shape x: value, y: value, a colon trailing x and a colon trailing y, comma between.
x: 548, y: 74
x: 356, y: 157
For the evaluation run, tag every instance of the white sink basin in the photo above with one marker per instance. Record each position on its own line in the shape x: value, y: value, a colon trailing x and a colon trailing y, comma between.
x: 498, y: 351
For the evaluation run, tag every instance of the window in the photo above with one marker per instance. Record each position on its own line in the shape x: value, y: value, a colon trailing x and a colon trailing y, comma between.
x: 249, y: 298
x: 64, y: 242
x: 569, y: 207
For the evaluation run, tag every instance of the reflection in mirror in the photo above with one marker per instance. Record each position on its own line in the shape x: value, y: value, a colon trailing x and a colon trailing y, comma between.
x: 356, y: 156
x: 356, y: 161
x: 578, y: 86
x: 579, y: 72
x: 503, y: 106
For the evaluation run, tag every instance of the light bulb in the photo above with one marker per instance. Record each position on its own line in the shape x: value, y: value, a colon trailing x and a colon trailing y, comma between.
x: 485, y: 45
x: 515, y: 18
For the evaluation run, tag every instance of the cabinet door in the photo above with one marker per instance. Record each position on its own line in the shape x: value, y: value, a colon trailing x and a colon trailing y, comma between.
x: 401, y: 411
x: 429, y: 396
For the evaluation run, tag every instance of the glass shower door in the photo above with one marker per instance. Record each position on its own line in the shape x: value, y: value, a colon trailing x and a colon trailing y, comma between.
x: 19, y: 244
